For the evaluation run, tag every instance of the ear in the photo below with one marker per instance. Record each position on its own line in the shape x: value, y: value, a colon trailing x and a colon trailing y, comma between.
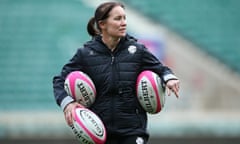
x: 102, y: 25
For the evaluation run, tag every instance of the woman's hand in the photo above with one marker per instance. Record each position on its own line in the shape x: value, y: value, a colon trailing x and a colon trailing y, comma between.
x: 173, y: 86
x: 68, y: 112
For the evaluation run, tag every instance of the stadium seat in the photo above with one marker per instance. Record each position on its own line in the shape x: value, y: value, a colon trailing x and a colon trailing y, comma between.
x: 212, y: 25
x: 37, y: 38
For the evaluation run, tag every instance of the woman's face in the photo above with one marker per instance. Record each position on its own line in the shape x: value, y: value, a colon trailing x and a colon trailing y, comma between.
x: 115, y: 25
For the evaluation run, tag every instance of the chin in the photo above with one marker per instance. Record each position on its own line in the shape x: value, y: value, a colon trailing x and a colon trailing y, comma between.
x: 119, y: 35
x: 122, y: 35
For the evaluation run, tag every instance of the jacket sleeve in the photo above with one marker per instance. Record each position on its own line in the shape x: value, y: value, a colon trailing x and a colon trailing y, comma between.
x: 61, y: 96
x: 150, y: 62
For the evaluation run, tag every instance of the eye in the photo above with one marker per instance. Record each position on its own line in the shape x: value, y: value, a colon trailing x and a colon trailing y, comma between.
x: 120, y: 18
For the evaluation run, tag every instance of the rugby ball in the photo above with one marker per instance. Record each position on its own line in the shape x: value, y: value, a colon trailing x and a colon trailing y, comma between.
x: 88, y: 127
x: 150, y: 92
x: 80, y: 86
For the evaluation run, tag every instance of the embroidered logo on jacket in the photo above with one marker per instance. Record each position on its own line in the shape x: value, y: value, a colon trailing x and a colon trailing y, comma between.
x: 139, y: 140
x: 132, y: 49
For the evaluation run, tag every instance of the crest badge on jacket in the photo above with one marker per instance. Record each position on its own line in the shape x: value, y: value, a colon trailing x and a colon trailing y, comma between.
x: 132, y: 49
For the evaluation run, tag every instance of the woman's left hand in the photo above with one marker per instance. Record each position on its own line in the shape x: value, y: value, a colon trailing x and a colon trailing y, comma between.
x: 173, y: 86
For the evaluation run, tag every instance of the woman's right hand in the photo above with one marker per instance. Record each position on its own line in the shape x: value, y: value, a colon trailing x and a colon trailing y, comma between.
x: 68, y: 112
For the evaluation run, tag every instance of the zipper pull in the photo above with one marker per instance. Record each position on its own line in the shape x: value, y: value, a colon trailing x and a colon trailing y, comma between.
x: 112, y: 59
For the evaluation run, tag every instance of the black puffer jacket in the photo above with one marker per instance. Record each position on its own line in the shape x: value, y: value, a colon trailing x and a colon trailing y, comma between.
x: 114, y: 75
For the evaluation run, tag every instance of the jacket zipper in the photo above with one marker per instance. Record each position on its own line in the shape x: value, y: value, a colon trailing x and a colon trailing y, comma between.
x: 113, y: 97
x: 112, y: 59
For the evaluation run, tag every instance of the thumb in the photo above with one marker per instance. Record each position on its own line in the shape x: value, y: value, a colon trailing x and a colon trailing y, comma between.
x: 79, y: 105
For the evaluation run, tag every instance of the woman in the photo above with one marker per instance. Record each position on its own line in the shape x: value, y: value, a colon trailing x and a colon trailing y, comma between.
x: 113, y: 60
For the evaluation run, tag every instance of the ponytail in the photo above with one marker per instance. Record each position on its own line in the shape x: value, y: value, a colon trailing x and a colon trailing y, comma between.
x: 92, y: 31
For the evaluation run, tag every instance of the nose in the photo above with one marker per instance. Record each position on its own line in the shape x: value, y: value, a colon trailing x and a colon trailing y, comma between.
x: 123, y: 22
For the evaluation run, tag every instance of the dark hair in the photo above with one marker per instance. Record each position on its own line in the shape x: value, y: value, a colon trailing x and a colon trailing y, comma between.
x: 101, y: 13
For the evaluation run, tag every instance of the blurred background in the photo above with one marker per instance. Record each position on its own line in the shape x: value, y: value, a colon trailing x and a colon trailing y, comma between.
x: 199, y: 40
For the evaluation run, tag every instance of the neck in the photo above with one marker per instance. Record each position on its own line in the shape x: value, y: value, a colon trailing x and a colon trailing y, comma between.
x: 111, y: 42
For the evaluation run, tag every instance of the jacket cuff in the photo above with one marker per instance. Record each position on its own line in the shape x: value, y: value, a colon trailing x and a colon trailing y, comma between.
x: 168, y: 77
x: 66, y: 101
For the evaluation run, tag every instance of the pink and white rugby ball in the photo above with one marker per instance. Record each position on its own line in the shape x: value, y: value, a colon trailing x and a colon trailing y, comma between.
x: 150, y: 92
x: 88, y: 127
x: 80, y: 86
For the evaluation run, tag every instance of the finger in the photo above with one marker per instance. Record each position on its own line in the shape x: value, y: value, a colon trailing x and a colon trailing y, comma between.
x: 68, y: 117
x: 175, y: 91
x: 176, y: 94
x: 178, y: 86
x: 168, y: 91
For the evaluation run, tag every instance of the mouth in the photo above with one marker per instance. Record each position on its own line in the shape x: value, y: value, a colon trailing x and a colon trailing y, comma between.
x: 122, y: 30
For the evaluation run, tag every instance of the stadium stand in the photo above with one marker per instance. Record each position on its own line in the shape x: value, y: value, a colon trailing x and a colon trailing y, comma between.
x: 36, y: 38
x: 211, y: 25
x: 36, y: 34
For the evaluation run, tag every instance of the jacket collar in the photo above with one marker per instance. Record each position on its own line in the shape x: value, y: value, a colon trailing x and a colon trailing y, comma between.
x: 97, y: 44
